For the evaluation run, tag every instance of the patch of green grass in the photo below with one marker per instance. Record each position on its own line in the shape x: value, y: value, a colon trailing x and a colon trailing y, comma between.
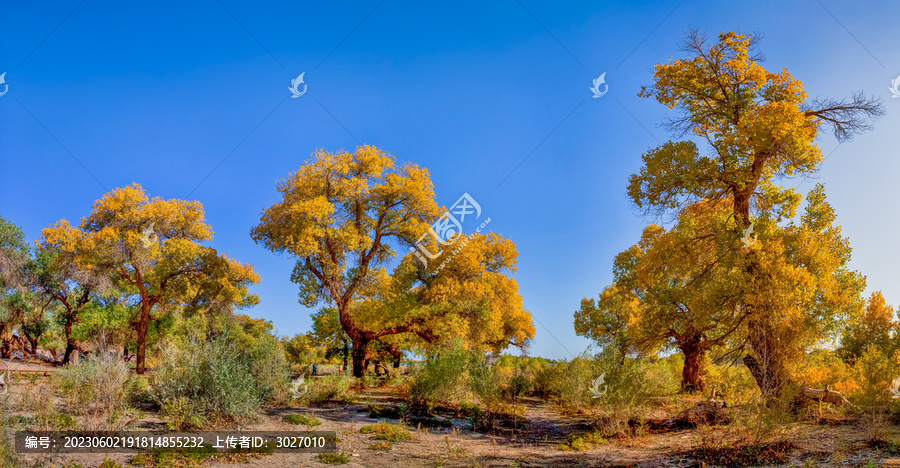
x: 19, y: 420
x: 384, y: 446
x: 389, y: 412
x: 333, y: 458
x: 386, y: 431
x: 107, y: 463
x: 303, y: 419
x: 582, y: 441
x: 194, y: 457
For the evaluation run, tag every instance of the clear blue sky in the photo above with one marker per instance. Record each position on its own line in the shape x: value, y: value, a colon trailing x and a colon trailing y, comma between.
x: 191, y: 100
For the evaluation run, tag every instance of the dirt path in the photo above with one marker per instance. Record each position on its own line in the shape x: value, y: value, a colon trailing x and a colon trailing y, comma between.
x: 534, y: 442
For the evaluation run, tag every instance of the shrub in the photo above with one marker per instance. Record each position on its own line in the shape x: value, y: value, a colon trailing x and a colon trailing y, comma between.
x: 442, y: 378
x: 8, y: 455
x: 270, y: 369
x: 213, y: 378
x: 302, y: 419
x: 138, y: 391
x: 582, y: 441
x: 96, y: 387
x: 181, y: 414
x: 386, y: 431
x: 486, y: 382
x: 333, y: 458
x: 330, y: 388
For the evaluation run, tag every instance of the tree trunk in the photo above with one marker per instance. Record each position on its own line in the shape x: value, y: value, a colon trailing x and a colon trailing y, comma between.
x: 143, y: 324
x: 693, y: 347
x: 770, y: 376
x: 692, y: 372
x: 359, y: 357
x: 70, y: 342
x: 346, y: 355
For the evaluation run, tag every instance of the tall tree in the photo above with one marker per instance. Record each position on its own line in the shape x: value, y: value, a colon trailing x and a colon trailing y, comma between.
x: 472, y: 297
x: 874, y: 327
x: 152, y: 250
x: 759, y: 126
x: 60, y: 278
x: 338, y: 214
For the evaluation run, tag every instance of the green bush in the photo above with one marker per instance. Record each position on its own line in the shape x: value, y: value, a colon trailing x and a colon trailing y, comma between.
x: 443, y: 378
x: 215, y: 377
x: 8, y: 456
x: 138, y: 391
x: 582, y: 441
x: 386, y: 431
x: 329, y: 388
x: 270, y: 369
x: 486, y: 382
x: 302, y: 419
x: 181, y: 414
x: 96, y: 387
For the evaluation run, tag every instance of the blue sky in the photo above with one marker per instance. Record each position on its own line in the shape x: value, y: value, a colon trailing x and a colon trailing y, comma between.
x: 191, y: 100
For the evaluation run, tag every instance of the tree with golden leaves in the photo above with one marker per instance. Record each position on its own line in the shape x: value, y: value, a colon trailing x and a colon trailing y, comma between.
x: 472, y: 297
x: 873, y: 328
x: 152, y: 250
x: 338, y: 216
x: 758, y: 127
x: 688, y: 288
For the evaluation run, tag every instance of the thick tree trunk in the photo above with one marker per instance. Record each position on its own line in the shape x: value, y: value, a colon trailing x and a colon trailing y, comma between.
x: 691, y: 345
x: 692, y: 373
x: 359, y: 356
x: 770, y: 376
x: 143, y: 324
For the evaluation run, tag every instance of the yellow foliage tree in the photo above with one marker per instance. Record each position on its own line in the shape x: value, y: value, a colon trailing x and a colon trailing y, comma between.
x: 874, y: 328
x: 338, y: 214
x: 152, y: 250
x: 759, y: 127
x: 689, y: 288
x: 472, y: 297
